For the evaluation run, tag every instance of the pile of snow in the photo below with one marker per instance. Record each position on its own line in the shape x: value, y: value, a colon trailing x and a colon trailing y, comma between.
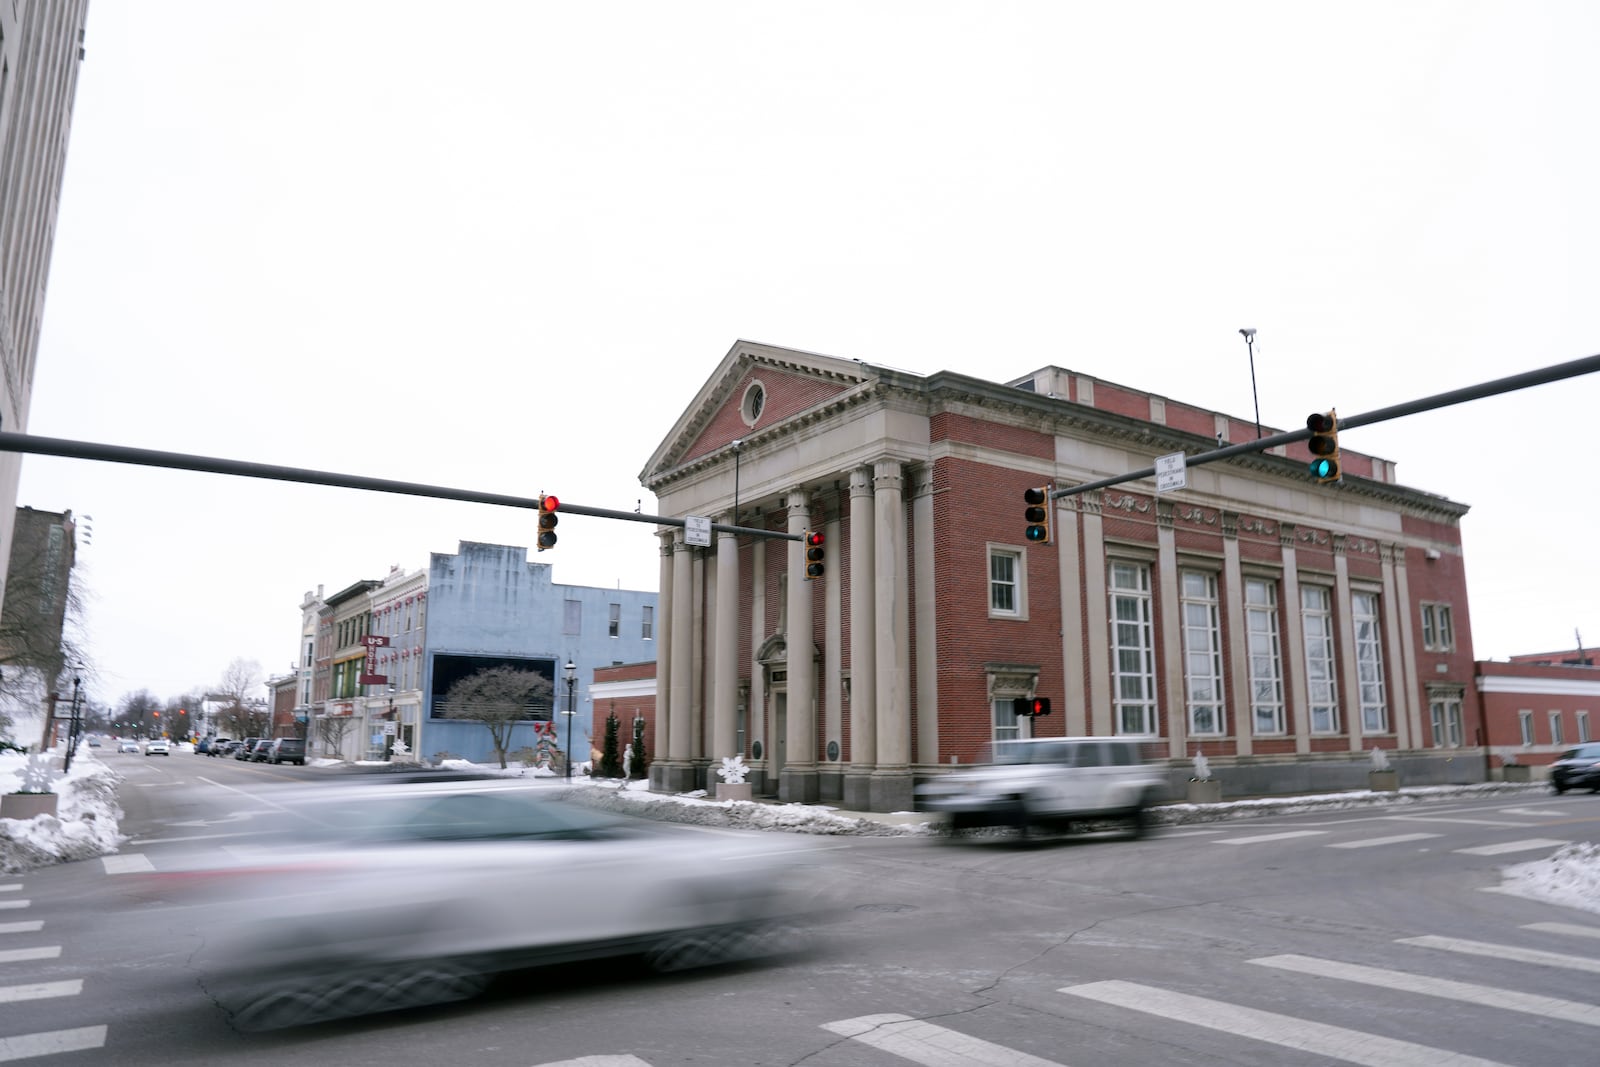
x: 86, y: 823
x: 1571, y: 877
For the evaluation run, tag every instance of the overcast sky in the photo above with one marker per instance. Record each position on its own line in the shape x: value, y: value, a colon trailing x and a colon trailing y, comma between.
x: 500, y: 246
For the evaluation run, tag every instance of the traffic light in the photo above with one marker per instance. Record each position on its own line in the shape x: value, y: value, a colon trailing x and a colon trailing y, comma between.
x: 547, y: 522
x: 1037, y: 514
x: 1324, y: 445
x: 1031, y: 706
x: 814, y: 540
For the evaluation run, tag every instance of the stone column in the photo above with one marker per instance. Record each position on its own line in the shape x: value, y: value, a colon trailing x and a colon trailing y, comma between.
x: 680, y: 729
x: 1292, y: 644
x: 658, y: 763
x: 926, y: 622
x: 756, y: 706
x: 1236, y: 639
x: 891, y: 782
x: 1402, y: 644
x: 797, y: 782
x: 1097, y: 609
x: 1170, y: 639
x: 725, y: 653
x: 830, y: 696
x: 1349, y: 673
x: 863, y: 646
x: 1069, y: 555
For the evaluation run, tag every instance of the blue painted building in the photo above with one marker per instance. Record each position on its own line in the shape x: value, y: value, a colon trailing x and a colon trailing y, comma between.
x: 489, y: 606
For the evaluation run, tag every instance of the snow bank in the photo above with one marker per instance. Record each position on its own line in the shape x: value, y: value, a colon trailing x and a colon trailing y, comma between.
x: 86, y: 823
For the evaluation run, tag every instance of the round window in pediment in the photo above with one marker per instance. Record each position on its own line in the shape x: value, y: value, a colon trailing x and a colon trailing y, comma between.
x: 755, y: 401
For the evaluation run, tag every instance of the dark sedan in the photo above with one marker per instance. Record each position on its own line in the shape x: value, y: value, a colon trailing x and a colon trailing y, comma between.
x: 1578, y: 768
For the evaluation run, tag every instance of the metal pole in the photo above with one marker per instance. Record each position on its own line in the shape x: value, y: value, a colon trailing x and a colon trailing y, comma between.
x: 1250, y: 343
x: 571, y: 675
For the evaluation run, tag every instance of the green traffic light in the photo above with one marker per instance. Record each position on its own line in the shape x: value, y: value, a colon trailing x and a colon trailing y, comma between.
x: 1324, y: 468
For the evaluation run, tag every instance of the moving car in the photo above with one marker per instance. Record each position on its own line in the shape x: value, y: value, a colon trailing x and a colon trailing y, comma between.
x: 288, y: 750
x: 1578, y: 768
x: 1052, y: 783
x: 419, y: 892
x: 157, y: 747
x: 127, y: 746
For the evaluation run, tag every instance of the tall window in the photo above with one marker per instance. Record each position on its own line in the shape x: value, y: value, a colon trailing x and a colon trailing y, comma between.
x: 614, y: 626
x: 1556, y: 733
x: 1132, y: 649
x: 572, y: 620
x: 1266, y: 664
x: 1316, y: 614
x: 1202, y: 653
x: 1369, y: 663
x: 1438, y: 635
x: 1525, y: 720
x: 1008, y: 726
x: 648, y: 630
x: 1446, y: 712
x: 1005, y: 582
x: 1583, y: 727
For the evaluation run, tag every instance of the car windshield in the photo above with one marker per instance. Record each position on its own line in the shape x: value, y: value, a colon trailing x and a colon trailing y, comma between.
x: 1591, y: 751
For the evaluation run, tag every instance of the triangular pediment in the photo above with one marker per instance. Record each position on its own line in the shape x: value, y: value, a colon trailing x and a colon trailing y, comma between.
x: 756, y: 389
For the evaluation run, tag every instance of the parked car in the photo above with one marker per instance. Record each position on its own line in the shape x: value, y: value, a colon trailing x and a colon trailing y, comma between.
x: 288, y: 750
x: 261, y: 750
x: 157, y: 747
x: 245, y: 748
x: 1578, y: 768
x: 418, y: 893
x: 221, y: 746
x: 94, y: 742
x: 1051, y: 783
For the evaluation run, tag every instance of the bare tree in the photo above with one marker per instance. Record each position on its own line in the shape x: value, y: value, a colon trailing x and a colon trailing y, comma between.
x: 500, y: 698
x: 42, y: 632
x: 244, y: 715
x: 331, y: 729
x: 139, y: 713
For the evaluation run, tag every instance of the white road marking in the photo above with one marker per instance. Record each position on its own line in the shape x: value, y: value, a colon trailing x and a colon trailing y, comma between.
x: 598, y: 1061
x: 1319, y: 1039
x: 1550, y: 1007
x: 930, y: 1045
x: 1505, y: 952
x: 14, y: 887
x: 15, y: 903
x: 1527, y: 845
x: 17, y: 955
x: 43, y: 1044
x: 1463, y: 822
x: 41, y: 990
x: 1569, y: 929
x: 127, y: 863
x: 1374, y: 841
x: 1532, y: 811
x: 32, y: 926
x: 1269, y: 837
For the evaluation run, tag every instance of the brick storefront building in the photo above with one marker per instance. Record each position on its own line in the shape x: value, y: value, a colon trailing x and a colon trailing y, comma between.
x: 1282, y: 627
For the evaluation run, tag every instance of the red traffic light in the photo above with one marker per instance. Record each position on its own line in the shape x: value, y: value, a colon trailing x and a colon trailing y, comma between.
x: 813, y: 541
x: 547, y: 522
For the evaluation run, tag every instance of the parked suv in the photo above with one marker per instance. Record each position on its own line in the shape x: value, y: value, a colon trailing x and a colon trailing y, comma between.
x: 1578, y: 768
x: 288, y: 750
x: 1059, y: 783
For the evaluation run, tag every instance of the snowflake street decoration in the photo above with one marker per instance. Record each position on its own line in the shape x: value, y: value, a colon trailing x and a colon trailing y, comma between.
x: 37, y: 775
x: 399, y: 748
x: 1202, y: 768
x: 733, y: 770
x: 1380, y: 759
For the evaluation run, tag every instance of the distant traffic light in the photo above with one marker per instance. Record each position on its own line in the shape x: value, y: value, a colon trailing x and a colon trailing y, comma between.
x: 814, y: 540
x: 1037, y: 514
x: 1031, y: 706
x: 1324, y: 445
x: 547, y: 522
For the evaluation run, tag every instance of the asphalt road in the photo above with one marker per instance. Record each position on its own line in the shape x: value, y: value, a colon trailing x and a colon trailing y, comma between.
x: 1362, y: 937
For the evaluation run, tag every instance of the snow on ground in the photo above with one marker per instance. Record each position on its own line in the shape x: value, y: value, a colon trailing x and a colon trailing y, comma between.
x: 87, y: 823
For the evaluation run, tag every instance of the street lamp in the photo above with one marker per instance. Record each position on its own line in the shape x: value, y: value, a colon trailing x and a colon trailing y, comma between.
x: 388, y: 747
x: 570, y: 673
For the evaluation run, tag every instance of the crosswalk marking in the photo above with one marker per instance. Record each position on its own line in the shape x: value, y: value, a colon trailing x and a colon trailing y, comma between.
x: 1488, y: 996
x: 1527, y: 845
x: 43, y: 1044
x: 1569, y: 929
x: 1505, y: 952
x: 14, y: 887
x: 1269, y: 837
x: 32, y: 926
x: 930, y: 1045
x: 131, y: 863
x: 599, y: 1061
x: 1334, y: 1042
x: 15, y: 903
x: 1397, y: 839
x: 17, y: 955
x: 1531, y: 811
x: 1447, y: 818
x: 40, y: 990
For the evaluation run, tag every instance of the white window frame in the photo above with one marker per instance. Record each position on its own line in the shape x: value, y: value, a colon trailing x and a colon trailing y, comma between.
x: 1525, y: 721
x: 1446, y: 713
x: 1133, y: 651
x: 647, y: 628
x: 1583, y: 727
x: 1438, y: 628
x: 1322, y: 668
x: 1556, y: 733
x: 614, y: 623
x: 1263, y: 651
x: 1365, y: 612
x: 1005, y: 724
x: 1202, y: 654
x: 1016, y: 584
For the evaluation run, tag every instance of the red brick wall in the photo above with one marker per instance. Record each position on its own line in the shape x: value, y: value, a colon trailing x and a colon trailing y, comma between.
x: 788, y: 394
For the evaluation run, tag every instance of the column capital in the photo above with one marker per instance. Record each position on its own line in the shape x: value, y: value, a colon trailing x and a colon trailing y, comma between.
x: 888, y: 474
x: 861, y: 482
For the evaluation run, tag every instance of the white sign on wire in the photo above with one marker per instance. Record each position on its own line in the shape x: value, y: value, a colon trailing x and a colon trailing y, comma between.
x: 1171, y: 473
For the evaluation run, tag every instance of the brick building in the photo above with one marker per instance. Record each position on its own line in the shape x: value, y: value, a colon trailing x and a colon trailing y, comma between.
x: 1534, y: 707
x: 1280, y: 626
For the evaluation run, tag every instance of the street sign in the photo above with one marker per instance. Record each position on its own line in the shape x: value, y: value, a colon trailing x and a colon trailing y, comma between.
x: 697, y: 530
x: 1171, y: 473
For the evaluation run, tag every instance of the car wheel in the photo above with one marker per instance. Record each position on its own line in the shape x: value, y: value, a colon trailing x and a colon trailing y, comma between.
x: 1558, y: 787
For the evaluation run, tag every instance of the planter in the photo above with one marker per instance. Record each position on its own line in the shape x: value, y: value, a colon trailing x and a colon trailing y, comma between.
x: 1205, y: 791
x: 1517, y: 772
x: 739, y: 791
x: 1383, y: 781
x: 27, y: 805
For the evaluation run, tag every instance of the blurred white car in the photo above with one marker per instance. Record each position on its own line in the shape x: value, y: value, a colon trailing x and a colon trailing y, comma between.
x: 157, y: 748
x: 403, y: 895
x: 127, y: 746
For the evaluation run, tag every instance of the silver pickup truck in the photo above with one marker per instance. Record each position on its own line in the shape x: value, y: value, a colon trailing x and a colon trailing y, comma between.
x: 1049, y: 783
